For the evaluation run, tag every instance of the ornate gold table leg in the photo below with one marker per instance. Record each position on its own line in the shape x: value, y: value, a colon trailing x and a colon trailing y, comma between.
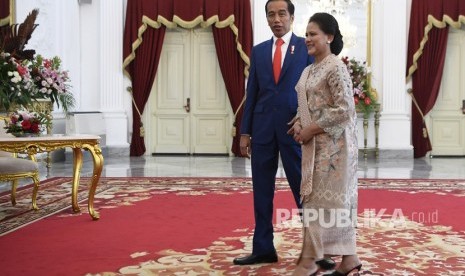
x: 48, y: 161
x: 98, y: 166
x: 36, y: 181
x: 377, y: 115
x: 77, y: 161
x: 49, y: 131
x: 14, y: 185
x: 365, y: 135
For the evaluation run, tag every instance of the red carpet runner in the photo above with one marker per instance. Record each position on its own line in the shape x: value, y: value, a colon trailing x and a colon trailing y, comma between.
x: 196, y: 226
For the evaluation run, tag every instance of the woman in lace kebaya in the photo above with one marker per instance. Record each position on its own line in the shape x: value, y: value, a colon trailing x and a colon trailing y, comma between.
x: 326, y: 127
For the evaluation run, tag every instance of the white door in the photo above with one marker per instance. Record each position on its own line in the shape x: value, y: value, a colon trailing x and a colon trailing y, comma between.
x: 188, y: 111
x: 446, y: 120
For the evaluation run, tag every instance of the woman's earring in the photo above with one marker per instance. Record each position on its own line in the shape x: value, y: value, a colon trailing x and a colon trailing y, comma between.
x: 328, y: 42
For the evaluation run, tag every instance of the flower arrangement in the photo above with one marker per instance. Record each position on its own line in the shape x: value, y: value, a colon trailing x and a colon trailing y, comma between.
x: 16, y: 84
x: 25, y: 78
x: 22, y: 123
x: 365, y: 97
x: 52, y: 82
x: 25, y: 81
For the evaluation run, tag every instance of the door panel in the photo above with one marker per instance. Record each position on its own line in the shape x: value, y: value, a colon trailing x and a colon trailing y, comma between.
x: 210, y: 134
x: 169, y: 122
x: 188, y: 71
x: 171, y: 92
x: 446, y: 121
x: 211, y: 92
x: 211, y: 108
x: 171, y: 134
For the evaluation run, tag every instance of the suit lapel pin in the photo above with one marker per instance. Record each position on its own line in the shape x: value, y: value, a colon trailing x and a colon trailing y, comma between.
x: 292, y: 49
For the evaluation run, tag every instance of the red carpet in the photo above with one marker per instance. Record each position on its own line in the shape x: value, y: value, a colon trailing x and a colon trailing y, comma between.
x: 164, y: 226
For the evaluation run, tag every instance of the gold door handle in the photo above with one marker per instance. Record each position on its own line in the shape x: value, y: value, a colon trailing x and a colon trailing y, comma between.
x: 187, y: 107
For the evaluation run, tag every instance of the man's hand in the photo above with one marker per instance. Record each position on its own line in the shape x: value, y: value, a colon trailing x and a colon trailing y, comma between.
x: 245, y: 145
x: 295, y: 129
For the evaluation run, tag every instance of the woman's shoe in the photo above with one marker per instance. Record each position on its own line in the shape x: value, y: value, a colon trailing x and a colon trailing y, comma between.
x: 337, y: 273
x: 326, y: 264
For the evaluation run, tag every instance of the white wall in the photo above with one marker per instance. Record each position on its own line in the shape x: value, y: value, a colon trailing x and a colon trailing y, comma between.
x: 88, y: 37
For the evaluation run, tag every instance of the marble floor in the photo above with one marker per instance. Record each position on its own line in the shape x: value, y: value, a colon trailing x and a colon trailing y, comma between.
x: 214, y: 166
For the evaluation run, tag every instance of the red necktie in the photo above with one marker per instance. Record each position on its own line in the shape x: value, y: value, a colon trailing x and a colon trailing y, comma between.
x: 277, y: 59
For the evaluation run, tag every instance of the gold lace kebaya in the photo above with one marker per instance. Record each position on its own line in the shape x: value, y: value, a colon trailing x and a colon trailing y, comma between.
x: 34, y: 145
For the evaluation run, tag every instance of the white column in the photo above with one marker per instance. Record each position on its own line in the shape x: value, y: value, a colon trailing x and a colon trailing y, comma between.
x: 389, y: 62
x: 69, y: 44
x: 55, y: 35
x: 111, y: 75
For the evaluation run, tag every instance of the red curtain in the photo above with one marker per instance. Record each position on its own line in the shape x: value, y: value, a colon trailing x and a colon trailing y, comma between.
x: 231, y: 64
x: 4, y: 12
x: 429, y: 20
x: 146, y: 21
x: 142, y: 70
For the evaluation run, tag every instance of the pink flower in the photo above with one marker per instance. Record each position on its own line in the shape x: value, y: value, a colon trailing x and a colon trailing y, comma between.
x: 367, y: 101
x: 21, y: 70
x: 47, y: 63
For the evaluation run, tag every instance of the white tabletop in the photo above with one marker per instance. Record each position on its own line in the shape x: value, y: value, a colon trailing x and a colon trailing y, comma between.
x: 52, y: 137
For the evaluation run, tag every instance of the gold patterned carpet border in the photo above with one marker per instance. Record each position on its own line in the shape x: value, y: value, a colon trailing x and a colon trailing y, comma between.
x: 55, y: 193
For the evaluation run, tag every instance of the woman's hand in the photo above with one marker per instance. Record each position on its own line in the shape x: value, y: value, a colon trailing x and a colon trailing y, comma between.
x: 306, y: 134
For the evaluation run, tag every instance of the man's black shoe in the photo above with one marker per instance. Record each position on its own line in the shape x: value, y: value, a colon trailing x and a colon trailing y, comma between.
x: 326, y: 264
x: 256, y: 259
